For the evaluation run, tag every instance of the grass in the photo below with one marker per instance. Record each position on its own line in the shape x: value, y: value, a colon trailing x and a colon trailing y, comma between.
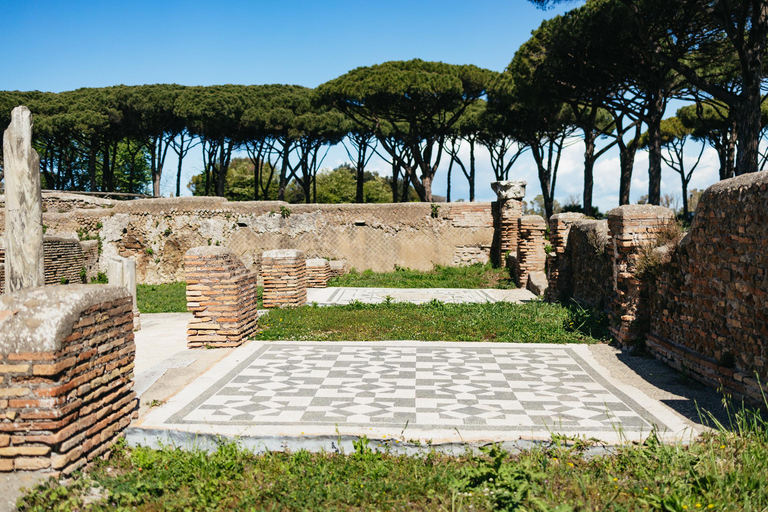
x: 724, y: 470
x: 168, y: 298
x: 472, y: 276
x: 534, y: 322
x: 162, y: 298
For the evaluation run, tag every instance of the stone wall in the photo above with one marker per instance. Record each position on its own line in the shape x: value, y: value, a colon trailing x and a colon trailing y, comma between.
x: 65, y: 257
x: 156, y: 233
x: 698, y: 303
x: 633, y: 230
x: 221, y: 293
x: 66, y: 369
x: 557, y: 268
x: 709, y: 313
x: 589, y: 269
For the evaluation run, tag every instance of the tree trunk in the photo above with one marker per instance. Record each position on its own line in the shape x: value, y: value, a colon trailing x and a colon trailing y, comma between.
x: 92, y: 166
x: 157, y: 169
x: 471, y: 169
x: 448, y: 182
x: 283, y: 172
x: 747, y: 114
x: 626, y: 163
x: 426, y: 181
x: 589, y: 170
x: 655, y: 112
x: 178, y: 179
x: 395, y: 176
x: 360, y: 175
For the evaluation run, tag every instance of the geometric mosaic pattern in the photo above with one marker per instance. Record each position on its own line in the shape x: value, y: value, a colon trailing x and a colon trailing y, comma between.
x: 500, y: 388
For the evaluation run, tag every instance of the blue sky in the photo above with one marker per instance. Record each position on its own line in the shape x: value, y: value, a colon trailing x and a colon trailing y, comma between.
x: 61, y: 46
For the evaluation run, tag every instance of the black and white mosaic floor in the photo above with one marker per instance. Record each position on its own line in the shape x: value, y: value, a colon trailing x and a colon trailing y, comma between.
x: 427, y: 390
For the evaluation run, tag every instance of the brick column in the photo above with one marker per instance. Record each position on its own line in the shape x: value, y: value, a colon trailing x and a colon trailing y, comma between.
x: 506, y: 212
x: 221, y: 293
x: 66, y: 375
x: 632, y: 228
x: 559, y: 228
x: 285, y: 278
x: 318, y: 273
x: 338, y: 267
x: 530, y: 250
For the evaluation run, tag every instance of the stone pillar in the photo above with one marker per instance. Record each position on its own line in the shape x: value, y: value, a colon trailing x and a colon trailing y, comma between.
x: 633, y: 230
x: 318, y: 273
x: 530, y: 250
x: 506, y: 211
x: 557, y: 268
x: 23, y: 205
x: 285, y: 278
x: 122, y: 272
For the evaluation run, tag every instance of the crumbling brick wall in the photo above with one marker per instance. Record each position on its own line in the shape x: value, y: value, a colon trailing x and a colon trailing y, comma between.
x: 222, y: 294
x: 589, y: 273
x: 530, y: 248
x: 65, y: 258
x: 634, y: 230
x: 66, y: 369
x: 709, y: 313
x: 557, y: 264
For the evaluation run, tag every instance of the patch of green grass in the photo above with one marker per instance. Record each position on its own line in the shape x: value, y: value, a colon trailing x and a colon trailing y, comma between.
x: 168, y: 298
x: 723, y: 470
x: 162, y: 298
x: 472, y: 276
x: 534, y: 322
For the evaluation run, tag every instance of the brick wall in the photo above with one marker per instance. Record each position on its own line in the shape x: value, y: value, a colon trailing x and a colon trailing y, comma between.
x: 66, y: 369
x: 530, y: 248
x: 221, y: 293
x: 589, y: 267
x: 557, y: 268
x: 633, y: 230
x: 284, y: 272
x: 709, y: 313
x: 318, y: 273
x: 65, y: 257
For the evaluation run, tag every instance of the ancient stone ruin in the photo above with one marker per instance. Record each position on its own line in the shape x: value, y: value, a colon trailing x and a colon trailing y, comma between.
x: 221, y: 293
x: 696, y: 302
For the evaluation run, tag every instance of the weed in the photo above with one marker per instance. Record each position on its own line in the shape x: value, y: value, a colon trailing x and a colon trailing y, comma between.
x: 168, y: 232
x: 285, y: 212
x: 64, y: 280
x: 149, y: 251
x: 101, y: 278
x: 435, y: 210
x: 83, y: 275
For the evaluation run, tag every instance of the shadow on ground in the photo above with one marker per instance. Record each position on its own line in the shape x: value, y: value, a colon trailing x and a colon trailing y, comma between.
x: 699, y: 404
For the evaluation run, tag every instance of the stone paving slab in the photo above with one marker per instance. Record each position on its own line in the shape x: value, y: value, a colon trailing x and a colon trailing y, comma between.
x: 441, y: 392
x: 336, y: 296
